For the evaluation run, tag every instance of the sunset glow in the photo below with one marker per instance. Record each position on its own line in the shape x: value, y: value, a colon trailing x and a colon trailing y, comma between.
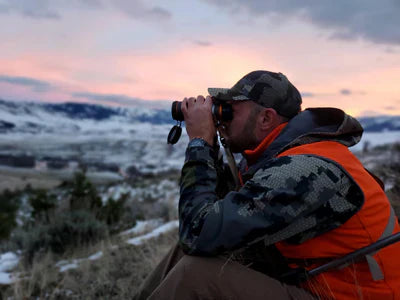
x: 88, y: 51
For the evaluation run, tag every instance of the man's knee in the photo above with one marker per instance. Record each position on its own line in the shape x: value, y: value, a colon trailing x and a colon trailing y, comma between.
x: 189, y: 279
x: 196, y: 277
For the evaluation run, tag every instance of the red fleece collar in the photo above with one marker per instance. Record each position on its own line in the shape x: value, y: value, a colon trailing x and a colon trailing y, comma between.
x: 253, y: 155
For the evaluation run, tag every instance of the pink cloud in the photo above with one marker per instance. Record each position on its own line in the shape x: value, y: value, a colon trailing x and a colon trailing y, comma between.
x: 320, y: 67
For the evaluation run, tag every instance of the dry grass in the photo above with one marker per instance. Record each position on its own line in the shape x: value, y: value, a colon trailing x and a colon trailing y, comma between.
x: 116, y: 275
x: 18, y: 182
x: 19, y: 178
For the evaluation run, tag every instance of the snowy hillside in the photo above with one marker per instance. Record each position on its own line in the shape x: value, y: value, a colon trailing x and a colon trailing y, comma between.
x: 373, y: 139
x: 380, y: 123
x: 46, y: 117
x: 115, y: 139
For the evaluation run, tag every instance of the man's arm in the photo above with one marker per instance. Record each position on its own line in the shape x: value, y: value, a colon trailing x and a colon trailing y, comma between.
x: 292, y: 198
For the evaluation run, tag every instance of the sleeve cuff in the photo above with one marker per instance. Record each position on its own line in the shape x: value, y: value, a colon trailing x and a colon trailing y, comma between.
x: 199, y: 149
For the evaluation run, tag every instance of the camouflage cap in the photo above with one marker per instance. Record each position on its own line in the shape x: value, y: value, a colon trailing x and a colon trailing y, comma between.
x: 266, y: 88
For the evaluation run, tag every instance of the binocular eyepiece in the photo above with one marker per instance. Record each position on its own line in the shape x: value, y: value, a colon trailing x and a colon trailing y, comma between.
x: 221, y: 111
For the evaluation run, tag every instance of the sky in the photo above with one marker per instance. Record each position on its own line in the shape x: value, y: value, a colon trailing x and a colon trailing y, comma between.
x: 343, y: 53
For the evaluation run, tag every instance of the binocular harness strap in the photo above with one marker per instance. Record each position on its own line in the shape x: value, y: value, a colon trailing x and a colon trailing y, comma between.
x: 373, y: 265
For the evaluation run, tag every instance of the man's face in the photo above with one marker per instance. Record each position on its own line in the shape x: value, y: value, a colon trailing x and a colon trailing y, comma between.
x: 239, y: 132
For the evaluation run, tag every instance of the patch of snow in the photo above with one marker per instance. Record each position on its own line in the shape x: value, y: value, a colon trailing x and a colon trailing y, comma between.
x: 166, y: 189
x: 68, y: 267
x: 65, y: 265
x: 96, y: 256
x: 389, y: 185
x: 8, y: 261
x: 6, y: 278
x: 115, y: 192
x: 142, y: 226
x: 61, y: 263
x: 376, y: 139
x: 155, y: 233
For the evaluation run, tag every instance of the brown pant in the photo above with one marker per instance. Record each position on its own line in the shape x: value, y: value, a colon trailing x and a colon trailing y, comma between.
x: 180, y: 276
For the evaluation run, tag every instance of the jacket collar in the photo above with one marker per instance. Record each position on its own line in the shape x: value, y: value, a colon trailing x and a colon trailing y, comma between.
x: 309, y: 126
x: 253, y: 155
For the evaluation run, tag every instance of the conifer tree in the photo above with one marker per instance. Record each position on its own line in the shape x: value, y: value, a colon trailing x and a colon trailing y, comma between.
x: 9, y: 205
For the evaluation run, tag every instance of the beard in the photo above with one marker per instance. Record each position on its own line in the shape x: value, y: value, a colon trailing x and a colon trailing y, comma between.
x: 246, y: 140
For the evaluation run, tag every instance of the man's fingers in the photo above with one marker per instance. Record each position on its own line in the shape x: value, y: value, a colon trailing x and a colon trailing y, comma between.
x: 200, y: 99
x: 191, y: 101
x: 184, y: 105
x: 208, y: 99
x: 187, y: 103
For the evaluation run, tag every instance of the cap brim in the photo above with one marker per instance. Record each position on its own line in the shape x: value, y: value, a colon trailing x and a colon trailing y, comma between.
x: 226, y: 94
x: 215, y: 92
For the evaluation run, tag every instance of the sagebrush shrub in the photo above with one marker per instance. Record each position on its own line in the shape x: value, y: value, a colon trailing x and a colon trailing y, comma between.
x: 57, y: 228
x: 73, y: 229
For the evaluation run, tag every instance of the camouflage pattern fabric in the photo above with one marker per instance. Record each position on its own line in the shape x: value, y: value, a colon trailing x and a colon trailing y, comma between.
x: 291, y: 198
x: 266, y: 88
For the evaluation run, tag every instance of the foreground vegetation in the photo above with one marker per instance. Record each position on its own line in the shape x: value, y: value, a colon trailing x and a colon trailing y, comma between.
x: 74, y: 221
x: 116, y: 275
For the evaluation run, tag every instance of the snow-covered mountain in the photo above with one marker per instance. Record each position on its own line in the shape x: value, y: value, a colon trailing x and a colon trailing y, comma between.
x: 50, y: 117
x: 119, y: 139
x: 46, y: 117
x: 380, y: 123
x: 107, y: 138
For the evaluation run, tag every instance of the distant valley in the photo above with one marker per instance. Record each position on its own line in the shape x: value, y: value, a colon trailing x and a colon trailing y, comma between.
x: 126, y: 142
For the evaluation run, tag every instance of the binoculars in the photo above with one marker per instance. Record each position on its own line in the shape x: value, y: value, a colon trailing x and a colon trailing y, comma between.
x: 221, y: 111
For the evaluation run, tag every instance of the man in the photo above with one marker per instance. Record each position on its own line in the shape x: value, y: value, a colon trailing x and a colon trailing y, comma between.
x: 304, y: 201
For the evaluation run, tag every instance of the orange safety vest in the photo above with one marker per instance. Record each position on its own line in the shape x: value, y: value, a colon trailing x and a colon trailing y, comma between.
x: 378, y: 275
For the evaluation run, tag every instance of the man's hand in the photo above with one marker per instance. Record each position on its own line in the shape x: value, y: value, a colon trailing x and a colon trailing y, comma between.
x: 199, y: 119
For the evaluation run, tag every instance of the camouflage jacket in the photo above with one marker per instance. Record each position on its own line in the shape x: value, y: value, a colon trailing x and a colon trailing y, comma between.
x: 291, y: 198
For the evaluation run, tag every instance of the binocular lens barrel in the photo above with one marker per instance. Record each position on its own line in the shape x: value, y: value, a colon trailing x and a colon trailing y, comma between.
x: 176, y: 111
x: 221, y: 111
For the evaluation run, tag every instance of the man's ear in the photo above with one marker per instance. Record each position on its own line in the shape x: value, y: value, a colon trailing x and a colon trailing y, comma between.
x: 268, y: 119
